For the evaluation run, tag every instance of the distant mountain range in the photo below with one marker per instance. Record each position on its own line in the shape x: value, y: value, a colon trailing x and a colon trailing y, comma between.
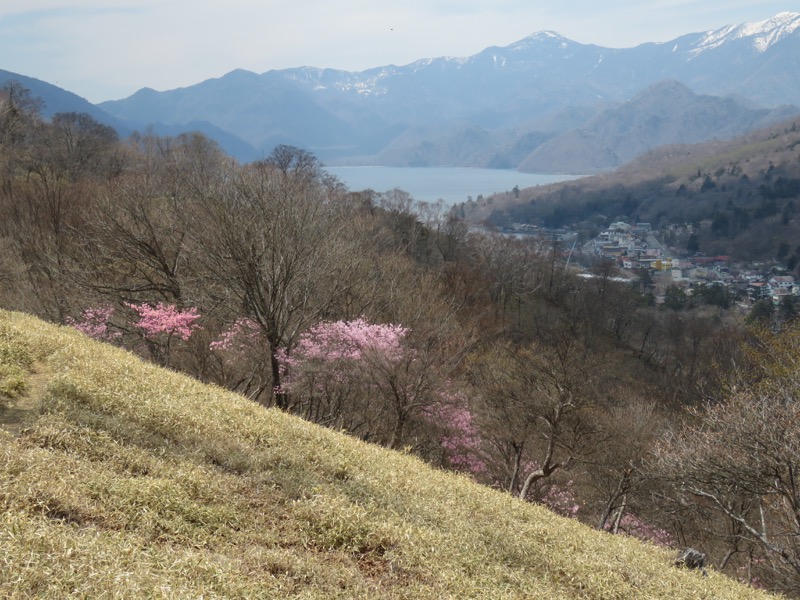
x: 545, y: 103
x: 665, y: 113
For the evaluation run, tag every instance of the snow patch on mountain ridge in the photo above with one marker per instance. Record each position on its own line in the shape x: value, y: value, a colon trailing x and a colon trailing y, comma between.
x: 763, y: 34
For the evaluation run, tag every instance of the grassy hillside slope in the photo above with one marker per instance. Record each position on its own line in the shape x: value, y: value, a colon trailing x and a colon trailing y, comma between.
x: 122, y: 480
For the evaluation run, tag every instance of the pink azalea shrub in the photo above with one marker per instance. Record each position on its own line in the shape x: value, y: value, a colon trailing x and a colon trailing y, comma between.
x: 347, y: 341
x: 165, y: 319
x: 241, y: 360
x: 339, y: 351
x: 94, y: 322
x: 745, y: 576
x: 341, y: 373
x: 241, y: 336
x: 560, y: 499
x: 460, y: 438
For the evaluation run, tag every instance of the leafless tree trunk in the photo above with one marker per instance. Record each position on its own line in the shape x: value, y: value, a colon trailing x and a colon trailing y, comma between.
x: 274, y: 235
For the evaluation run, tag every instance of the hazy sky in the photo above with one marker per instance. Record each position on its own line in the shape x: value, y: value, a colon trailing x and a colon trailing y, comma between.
x: 108, y: 49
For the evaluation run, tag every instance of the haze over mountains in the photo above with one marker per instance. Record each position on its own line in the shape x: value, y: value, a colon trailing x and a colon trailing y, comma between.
x: 542, y: 104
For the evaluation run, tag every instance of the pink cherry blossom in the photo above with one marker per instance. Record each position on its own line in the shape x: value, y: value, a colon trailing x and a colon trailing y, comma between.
x: 332, y: 341
x: 166, y: 319
x: 239, y: 337
x: 339, y: 359
x: 460, y: 438
x: 560, y: 499
x: 94, y: 322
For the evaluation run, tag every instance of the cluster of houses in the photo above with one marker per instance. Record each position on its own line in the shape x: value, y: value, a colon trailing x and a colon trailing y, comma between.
x: 775, y: 288
x: 635, y: 247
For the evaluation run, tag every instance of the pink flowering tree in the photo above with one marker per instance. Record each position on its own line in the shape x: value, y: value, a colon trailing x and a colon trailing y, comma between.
x: 96, y: 323
x: 360, y: 376
x: 560, y: 498
x: 328, y: 374
x: 161, y: 324
x: 466, y: 449
x: 461, y: 441
x: 242, y: 359
x: 237, y: 339
x: 343, y: 341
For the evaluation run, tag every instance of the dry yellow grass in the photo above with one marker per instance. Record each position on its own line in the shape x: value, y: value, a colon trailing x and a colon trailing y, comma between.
x: 131, y: 481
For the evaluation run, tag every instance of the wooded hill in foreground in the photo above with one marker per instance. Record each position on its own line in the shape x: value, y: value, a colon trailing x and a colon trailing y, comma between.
x: 120, y: 479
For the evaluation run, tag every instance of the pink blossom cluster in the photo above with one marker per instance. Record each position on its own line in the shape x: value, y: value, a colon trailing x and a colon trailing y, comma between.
x: 461, y: 439
x: 634, y: 526
x: 166, y: 319
x: 239, y: 337
x: 94, y: 322
x: 334, y: 341
x: 335, y: 355
x: 560, y: 499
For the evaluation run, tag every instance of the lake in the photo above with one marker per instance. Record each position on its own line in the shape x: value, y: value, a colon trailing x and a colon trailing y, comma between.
x: 451, y: 184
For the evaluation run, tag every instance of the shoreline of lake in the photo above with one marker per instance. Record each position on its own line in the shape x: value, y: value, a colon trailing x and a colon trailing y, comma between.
x: 450, y: 184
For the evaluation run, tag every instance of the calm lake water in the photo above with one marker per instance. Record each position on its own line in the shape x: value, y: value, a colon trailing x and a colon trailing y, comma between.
x: 451, y: 184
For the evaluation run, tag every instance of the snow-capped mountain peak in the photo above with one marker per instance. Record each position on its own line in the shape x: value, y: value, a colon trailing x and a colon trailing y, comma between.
x: 762, y: 34
x: 543, y: 36
x: 546, y: 34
